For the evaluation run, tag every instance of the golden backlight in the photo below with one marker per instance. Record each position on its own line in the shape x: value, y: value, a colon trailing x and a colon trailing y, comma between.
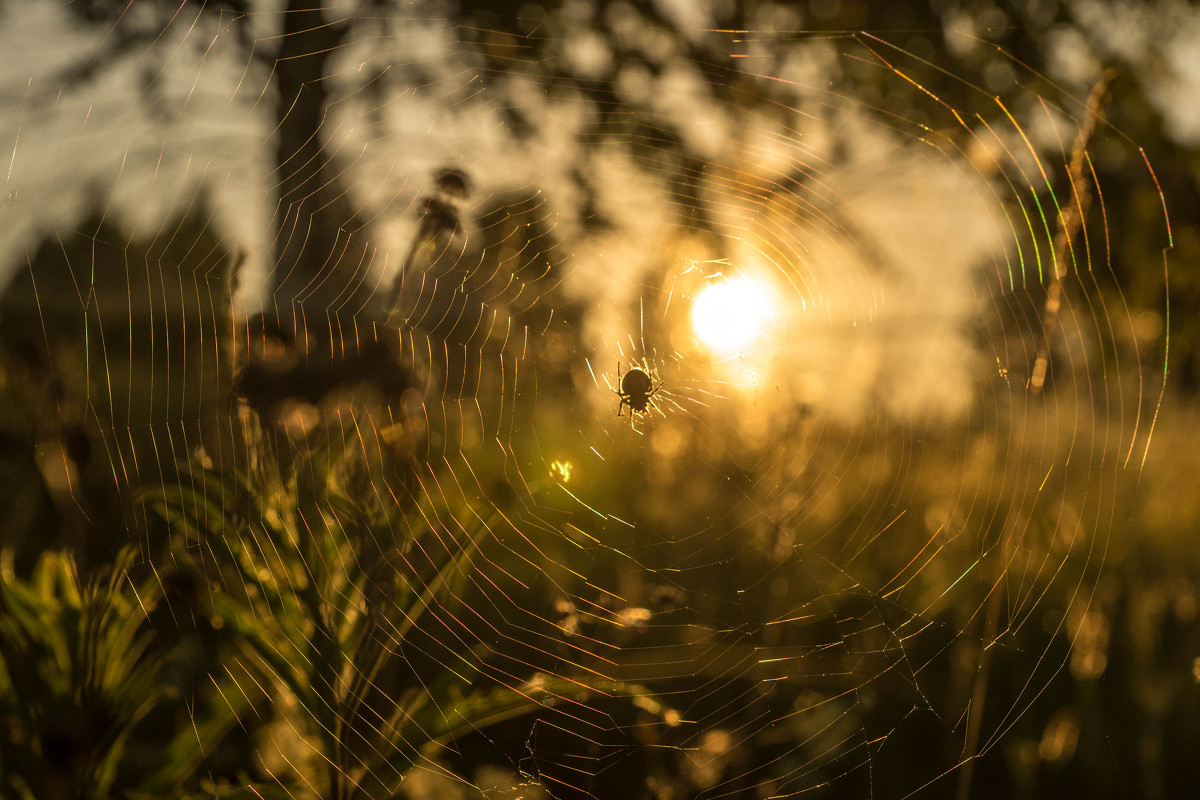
x: 728, y: 315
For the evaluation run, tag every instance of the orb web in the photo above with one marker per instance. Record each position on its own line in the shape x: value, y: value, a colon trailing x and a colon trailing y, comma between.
x: 360, y: 387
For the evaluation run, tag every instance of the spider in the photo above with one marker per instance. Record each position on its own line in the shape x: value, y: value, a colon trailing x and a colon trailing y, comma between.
x: 636, y: 390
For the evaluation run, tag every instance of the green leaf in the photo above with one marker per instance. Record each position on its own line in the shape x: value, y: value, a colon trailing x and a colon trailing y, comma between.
x: 291, y: 668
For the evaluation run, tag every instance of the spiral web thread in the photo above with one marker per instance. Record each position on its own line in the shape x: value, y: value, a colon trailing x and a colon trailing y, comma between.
x: 853, y: 551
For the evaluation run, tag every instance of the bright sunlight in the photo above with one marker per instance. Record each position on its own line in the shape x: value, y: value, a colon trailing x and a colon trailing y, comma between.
x: 728, y: 315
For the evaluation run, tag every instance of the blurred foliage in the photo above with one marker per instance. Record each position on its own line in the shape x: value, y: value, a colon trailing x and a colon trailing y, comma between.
x: 83, y: 668
x: 325, y: 582
x: 84, y: 348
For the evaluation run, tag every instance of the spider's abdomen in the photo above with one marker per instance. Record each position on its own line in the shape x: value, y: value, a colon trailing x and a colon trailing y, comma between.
x: 636, y: 383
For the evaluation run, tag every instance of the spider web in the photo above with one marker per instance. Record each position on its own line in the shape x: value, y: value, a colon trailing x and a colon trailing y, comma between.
x: 849, y: 554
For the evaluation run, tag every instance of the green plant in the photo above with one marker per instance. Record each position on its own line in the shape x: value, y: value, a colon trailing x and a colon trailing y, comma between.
x: 325, y: 571
x: 82, y: 665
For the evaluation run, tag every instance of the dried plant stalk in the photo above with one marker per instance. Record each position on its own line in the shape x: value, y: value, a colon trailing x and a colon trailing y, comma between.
x: 1070, y: 221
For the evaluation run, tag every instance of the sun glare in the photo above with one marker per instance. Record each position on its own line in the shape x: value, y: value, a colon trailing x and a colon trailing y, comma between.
x: 728, y: 315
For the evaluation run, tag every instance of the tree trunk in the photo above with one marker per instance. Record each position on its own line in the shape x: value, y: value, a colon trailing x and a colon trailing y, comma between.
x: 321, y: 253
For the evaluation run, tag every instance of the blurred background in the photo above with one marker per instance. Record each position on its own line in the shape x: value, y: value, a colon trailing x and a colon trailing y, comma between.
x: 686, y: 398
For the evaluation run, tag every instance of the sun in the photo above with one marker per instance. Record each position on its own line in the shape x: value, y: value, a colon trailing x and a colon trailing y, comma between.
x: 730, y: 314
